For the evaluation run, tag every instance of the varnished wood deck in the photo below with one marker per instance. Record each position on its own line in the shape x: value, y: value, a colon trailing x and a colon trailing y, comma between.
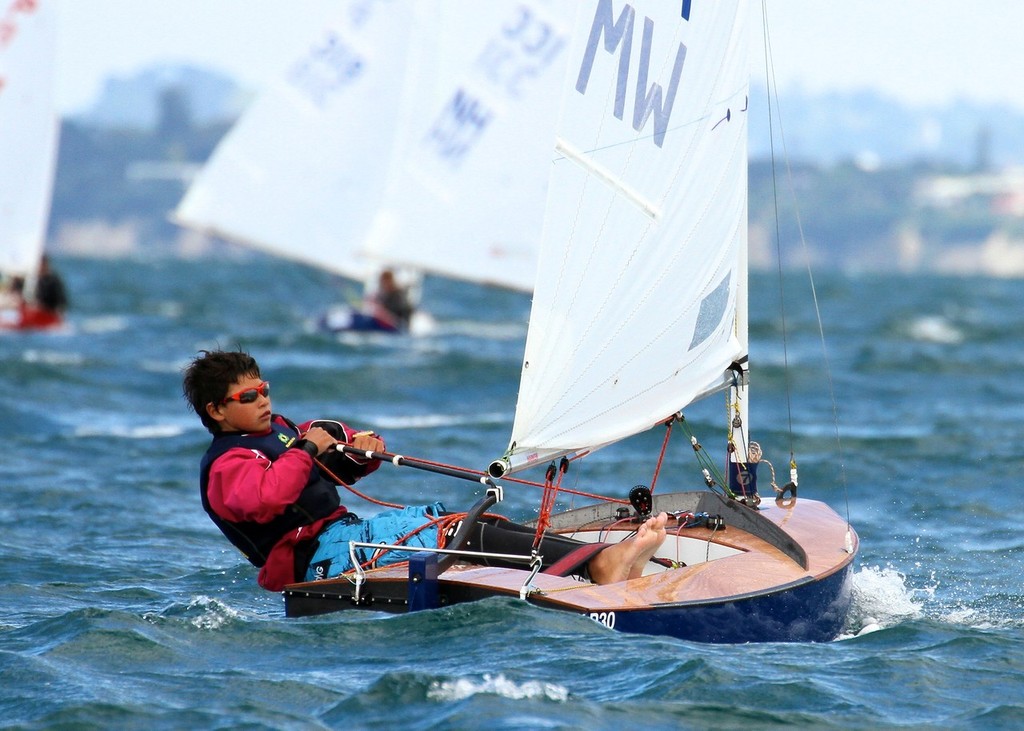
x: 760, y: 568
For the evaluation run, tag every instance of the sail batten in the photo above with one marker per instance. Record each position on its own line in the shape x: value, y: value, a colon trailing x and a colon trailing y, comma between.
x: 648, y: 207
x: 634, y: 316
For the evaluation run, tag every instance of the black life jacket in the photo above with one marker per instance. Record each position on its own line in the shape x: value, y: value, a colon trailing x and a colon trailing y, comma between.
x: 318, y: 499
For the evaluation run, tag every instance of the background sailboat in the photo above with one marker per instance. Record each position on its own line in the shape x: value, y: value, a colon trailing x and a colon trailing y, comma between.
x: 431, y: 156
x: 301, y: 172
x: 29, y: 130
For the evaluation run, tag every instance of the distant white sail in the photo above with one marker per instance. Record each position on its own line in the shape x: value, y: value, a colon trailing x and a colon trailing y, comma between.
x: 414, y: 135
x: 301, y: 173
x: 29, y: 129
x: 642, y: 265
x: 476, y: 164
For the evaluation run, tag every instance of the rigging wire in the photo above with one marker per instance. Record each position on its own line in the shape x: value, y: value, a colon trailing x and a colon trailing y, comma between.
x: 769, y: 75
x: 773, y: 89
x: 713, y: 476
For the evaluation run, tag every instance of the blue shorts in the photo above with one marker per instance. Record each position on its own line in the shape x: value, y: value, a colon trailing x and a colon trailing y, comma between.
x: 332, y: 557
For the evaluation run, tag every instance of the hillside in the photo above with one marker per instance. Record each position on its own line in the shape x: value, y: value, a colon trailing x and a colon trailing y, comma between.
x: 871, y: 178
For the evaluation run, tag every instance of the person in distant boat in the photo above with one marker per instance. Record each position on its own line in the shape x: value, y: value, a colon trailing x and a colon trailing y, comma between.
x: 393, y: 301
x: 12, y: 293
x: 271, y: 486
x: 12, y: 302
x: 50, y: 293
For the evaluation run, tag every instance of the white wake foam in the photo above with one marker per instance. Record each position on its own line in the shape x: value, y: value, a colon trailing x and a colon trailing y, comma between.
x: 461, y: 688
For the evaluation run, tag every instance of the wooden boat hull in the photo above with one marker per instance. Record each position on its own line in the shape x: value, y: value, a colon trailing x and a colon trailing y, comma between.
x: 781, y: 573
x: 814, y: 611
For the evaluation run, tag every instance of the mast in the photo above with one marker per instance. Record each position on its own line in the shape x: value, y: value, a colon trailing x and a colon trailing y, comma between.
x: 742, y: 460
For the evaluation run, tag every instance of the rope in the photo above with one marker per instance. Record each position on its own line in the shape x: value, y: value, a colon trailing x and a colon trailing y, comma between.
x: 481, y: 473
x: 709, y: 468
x: 443, y: 523
x: 352, y: 490
x: 547, y: 502
x: 661, y: 457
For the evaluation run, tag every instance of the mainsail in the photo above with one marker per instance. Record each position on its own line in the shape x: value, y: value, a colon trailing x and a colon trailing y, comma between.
x: 642, y: 276
x: 29, y: 128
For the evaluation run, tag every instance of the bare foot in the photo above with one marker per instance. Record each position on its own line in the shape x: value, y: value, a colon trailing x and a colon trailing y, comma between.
x: 626, y: 560
x: 648, y: 540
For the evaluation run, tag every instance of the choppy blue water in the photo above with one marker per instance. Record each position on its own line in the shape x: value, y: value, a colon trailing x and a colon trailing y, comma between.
x: 123, y: 607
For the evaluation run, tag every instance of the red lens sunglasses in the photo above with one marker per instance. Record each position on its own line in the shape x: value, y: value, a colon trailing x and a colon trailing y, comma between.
x: 248, y: 395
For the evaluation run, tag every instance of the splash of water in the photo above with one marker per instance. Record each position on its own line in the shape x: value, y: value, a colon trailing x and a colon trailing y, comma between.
x: 214, y: 613
x: 881, y: 598
x: 454, y: 690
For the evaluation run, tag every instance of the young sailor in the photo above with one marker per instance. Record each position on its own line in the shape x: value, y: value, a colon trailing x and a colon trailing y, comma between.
x: 261, y: 484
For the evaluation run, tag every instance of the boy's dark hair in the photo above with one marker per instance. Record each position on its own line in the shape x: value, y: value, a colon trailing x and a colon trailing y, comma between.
x: 208, y: 377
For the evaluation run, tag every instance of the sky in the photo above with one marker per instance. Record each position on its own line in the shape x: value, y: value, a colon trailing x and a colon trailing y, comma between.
x: 919, y: 51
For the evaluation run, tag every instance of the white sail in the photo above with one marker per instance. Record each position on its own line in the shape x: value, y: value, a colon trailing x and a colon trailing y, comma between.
x: 301, y: 173
x: 477, y: 164
x: 635, y: 307
x: 425, y: 147
x: 29, y: 128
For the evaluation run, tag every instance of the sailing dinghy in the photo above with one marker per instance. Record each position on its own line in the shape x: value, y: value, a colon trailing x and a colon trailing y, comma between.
x: 301, y: 172
x: 640, y: 309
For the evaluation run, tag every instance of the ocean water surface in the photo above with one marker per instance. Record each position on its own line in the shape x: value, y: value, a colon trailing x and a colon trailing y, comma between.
x: 123, y: 607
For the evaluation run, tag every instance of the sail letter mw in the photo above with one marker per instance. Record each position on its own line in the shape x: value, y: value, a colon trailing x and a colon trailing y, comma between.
x: 605, y: 356
x: 618, y: 35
